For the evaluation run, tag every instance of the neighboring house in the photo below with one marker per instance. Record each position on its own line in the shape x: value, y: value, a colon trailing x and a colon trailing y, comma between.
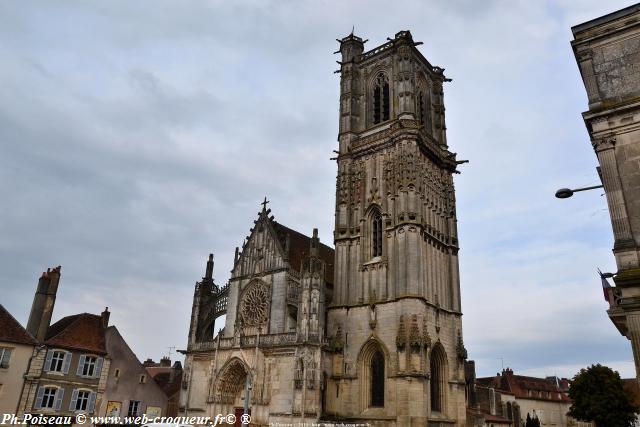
x: 16, y: 348
x: 169, y: 378
x: 486, y: 406
x: 70, y: 370
x: 69, y: 377
x: 544, y: 398
x: 130, y: 390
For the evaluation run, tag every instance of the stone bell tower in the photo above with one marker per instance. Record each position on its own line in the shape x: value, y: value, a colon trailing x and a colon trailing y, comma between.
x: 395, y: 354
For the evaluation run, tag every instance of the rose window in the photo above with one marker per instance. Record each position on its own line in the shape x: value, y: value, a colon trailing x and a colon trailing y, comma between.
x: 254, y: 307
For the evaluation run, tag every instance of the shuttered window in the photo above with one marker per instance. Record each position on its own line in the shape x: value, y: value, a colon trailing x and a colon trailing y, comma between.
x: 5, y: 355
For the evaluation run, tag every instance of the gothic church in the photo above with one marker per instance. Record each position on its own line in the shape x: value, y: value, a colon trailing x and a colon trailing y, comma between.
x: 370, y: 331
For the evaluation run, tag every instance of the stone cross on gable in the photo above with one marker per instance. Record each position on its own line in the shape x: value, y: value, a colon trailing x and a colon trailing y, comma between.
x: 264, y: 204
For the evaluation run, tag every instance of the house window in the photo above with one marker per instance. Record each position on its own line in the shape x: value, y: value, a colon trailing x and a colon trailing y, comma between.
x: 57, y: 361
x: 381, y: 99
x: 117, y: 373
x: 83, y: 400
x: 48, y: 397
x: 377, y: 379
x: 143, y: 379
x: 5, y: 355
x: 88, y: 366
x: 134, y: 405
x: 376, y: 237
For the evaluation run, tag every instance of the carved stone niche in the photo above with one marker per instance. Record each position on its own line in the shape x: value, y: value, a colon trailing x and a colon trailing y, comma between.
x: 401, y: 335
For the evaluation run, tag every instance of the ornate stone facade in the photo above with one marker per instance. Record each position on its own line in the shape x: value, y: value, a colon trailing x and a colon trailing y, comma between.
x: 607, y: 50
x: 371, y: 333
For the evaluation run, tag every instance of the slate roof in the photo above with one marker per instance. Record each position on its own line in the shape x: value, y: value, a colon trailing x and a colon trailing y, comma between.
x: 82, y: 331
x: 299, y: 245
x: 12, y: 331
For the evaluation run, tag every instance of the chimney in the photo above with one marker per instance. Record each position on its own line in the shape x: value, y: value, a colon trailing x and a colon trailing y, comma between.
x: 165, y: 361
x: 43, y: 303
x: 105, y: 317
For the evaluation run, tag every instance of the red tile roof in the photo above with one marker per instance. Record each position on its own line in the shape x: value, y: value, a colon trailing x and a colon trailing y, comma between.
x: 12, y: 331
x: 78, y: 332
x: 162, y: 376
x: 525, y: 387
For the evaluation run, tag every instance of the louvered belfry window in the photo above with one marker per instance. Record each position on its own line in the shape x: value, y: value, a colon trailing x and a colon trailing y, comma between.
x: 381, y: 101
x: 376, y: 238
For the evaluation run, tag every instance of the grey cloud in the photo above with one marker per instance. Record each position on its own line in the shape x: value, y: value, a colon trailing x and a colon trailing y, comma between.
x: 137, y: 137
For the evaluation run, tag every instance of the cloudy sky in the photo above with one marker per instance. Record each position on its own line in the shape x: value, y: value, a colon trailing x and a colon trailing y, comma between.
x: 138, y: 137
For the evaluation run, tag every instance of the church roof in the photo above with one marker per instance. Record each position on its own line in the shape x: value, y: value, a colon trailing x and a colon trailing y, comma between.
x: 299, y: 246
x: 12, y: 331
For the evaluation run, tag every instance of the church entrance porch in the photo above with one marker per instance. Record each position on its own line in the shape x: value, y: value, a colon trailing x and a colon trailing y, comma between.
x: 231, y: 389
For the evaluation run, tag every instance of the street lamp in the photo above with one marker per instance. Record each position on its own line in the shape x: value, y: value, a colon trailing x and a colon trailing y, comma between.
x: 565, y: 193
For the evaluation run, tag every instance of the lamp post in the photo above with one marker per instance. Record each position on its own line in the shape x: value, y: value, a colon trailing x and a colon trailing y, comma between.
x: 565, y: 193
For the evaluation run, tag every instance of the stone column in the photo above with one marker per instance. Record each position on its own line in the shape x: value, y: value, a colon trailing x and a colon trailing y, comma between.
x: 633, y: 325
x: 605, y: 150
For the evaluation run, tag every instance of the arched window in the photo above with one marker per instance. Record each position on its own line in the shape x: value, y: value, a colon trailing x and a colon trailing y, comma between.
x: 381, y: 99
x: 371, y: 373
x: 377, y: 379
x: 376, y: 235
x: 438, y: 378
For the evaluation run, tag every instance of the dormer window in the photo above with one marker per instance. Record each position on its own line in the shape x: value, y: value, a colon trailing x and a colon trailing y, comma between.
x: 376, y: 235
x: 381, y: 99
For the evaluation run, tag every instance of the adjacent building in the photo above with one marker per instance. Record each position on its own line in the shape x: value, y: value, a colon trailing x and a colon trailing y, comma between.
x: 488, y: 406
x: 169, y: 378
x: 607, y: 50
x: 16, y: 348
x: 67, y: 372
x: 521, y: 396
x: 129, y: 390
x: 77, y: 365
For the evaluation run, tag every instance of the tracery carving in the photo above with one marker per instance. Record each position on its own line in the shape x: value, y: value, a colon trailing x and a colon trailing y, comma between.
x: 401, y: 336
x: 415, y: 340
x: 254, y: 307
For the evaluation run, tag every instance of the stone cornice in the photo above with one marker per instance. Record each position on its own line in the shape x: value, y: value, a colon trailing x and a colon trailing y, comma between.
x: 396, y: 299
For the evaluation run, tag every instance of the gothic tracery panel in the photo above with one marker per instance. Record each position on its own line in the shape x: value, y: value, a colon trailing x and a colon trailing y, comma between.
x: 254, y: 306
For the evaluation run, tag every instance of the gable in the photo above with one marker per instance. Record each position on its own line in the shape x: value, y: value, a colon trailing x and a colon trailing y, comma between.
x: 263, y: 250
x: 272, y: 246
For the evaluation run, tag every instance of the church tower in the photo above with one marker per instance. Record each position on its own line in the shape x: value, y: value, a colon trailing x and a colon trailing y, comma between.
x: 395, y: 353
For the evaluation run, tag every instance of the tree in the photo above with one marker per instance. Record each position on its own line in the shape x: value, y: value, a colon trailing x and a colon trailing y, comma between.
x: 598, y: 395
